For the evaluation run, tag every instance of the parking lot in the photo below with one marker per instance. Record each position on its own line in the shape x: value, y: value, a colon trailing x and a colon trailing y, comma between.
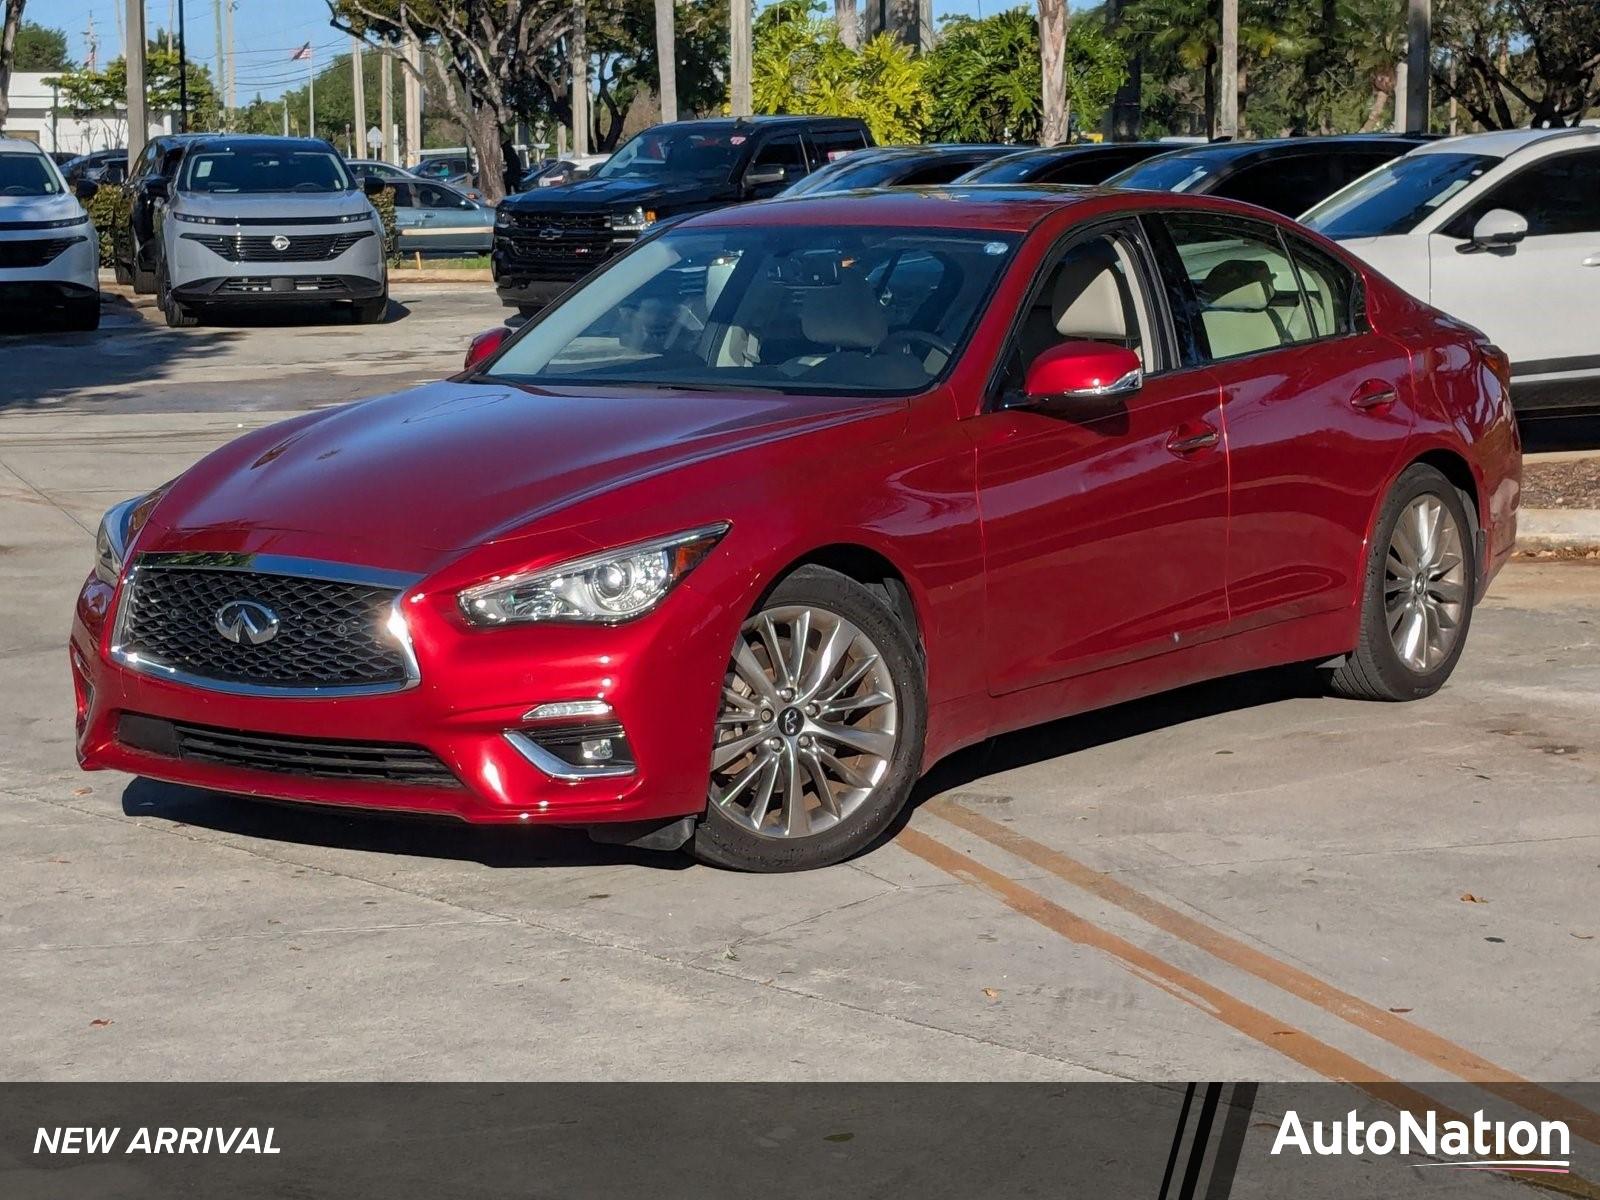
x: 1239, y: 880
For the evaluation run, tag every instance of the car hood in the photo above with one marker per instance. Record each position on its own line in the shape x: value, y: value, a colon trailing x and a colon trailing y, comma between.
x: 63, y: 207
x: 272, y: 205
x: 453, y: 465
x: 619, y: 193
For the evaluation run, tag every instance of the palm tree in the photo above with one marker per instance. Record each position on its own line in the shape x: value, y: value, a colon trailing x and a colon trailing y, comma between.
x: 1053, y: 65
x: 844, y: 16
x: 667, y: 59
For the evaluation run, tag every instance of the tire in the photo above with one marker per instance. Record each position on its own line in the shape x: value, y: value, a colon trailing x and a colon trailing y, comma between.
x: 144, y: 282
x: 120, y: 272
x: 1379, y: 667
x: 866, y: 790
x: 371, y: 312
x: 178, y: 314
x: 529, y: 310
x: 82, y: 316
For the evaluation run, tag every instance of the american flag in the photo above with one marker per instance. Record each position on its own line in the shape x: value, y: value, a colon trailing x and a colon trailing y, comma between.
x: 301, y: 54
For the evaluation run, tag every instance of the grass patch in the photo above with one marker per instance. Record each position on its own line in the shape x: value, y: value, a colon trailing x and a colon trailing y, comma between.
x: 478, y: 262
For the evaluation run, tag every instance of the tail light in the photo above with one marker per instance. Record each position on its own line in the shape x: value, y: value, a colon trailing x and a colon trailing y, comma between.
x: 485, y: 345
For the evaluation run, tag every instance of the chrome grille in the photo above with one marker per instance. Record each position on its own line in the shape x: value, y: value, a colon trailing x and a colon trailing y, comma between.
x: 304, y: 247
x: 331, y: 634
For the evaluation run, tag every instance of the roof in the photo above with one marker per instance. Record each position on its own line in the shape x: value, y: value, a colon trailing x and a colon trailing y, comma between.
x: 11, y: 145
x: 255, y: 141
x: 1007, y: 208
x: 763, y: 122
x: 1228, y: 151
x: 1504, y: 142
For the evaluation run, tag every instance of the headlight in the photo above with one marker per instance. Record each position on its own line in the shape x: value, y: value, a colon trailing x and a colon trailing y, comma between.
x: 352, y: 218
x: 118, y: 528
x: 502, y: 216
x: 66, y: 224
x: 192, y: 219
x: 614, y: 586
x: 635, y: 220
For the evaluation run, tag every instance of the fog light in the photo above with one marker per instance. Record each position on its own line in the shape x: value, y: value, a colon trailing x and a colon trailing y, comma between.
x: 586, y: 749
x: 595, y: 749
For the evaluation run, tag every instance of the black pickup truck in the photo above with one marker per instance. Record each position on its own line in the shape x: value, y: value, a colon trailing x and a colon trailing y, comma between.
x: 546, y: 240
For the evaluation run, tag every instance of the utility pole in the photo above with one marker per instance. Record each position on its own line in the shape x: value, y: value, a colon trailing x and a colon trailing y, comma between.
x: 386, y: 103
x: 578, y: 48
x: 1228, y: 73
x: 1419, y: 37
x: 183, y: 72
x: 233, y: 66
x: 413, y: 53
x: 219, y: 78
x: 667, y: 57
x: 739, y: 99
x: 358, y: 95
x: 133, y: 56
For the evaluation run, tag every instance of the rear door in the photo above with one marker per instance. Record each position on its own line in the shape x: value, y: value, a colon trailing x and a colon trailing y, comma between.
x: 1539, y: 300
x: 1315, y: 407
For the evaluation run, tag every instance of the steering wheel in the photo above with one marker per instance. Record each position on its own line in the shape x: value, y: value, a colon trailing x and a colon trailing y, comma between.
x: 909, y: 337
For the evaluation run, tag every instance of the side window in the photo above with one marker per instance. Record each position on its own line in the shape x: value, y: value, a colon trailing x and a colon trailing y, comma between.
x: 403, y: 197
x: 1091, y: 293
x: 170, y: 161
x: 1330, y: 290
x: 836, y: 143
x: 1239, y: 283
x: 432, y: 196
x: 784, y: 151
x: 1282, y: 185
x: 1086, y: 168
x: 1559, y: 195
x: 941, y: 172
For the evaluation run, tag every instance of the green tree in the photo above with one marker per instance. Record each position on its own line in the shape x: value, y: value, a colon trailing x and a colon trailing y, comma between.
x: 86, y: 93
x: 40, y: 48
x: 800, y: 64
x: 1519, y: 62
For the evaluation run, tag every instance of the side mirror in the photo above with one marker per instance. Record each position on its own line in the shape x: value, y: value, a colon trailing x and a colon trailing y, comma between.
x: 485, y: 346
x: 1081, y: 371
x: 374, y: 185
x: 765, y: 175
x: 86, y: 189
x: 1499, y: 227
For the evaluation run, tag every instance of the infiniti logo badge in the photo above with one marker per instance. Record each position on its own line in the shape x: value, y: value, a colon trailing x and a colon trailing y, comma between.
x: 246, y: 622
x: 280, y: 243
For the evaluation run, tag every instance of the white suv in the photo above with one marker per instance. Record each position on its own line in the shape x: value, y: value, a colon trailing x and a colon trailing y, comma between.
x: 49, y: 251
x: 1501, y: 230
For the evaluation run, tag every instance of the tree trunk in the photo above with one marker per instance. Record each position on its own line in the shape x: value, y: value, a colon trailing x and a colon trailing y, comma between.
x: 1052, y: 59
x: 1210, y: 93
x: 1227, y: 119
x: 8, y: 55
x: 578, y: 50
x: 844, y: 16
x: 667, y: 58
x: 484, y: 132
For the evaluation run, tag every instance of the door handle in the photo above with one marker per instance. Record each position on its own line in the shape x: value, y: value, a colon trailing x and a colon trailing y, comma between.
x: 1186, y: 439
x: 1375, y: 394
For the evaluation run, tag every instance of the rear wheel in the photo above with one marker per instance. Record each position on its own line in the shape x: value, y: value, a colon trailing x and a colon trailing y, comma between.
x: 819, y: 736
x: 144, y: 282
x: 178, y: 314
x: 121, y: 272
x: 1417, y: 594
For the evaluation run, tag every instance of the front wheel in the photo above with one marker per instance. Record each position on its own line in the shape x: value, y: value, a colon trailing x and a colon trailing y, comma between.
x: 819, y: 734
x: 371, y: 312
x: 178, y: 314
x: 1417, y: 592
x: 82, y: 314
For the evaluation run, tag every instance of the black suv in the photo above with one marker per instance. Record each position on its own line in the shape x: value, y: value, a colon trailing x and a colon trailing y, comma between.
x: 134, y: 246
x: 547, y: 240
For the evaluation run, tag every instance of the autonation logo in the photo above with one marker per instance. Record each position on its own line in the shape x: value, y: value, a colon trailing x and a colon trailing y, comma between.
x: 1480, y: 1145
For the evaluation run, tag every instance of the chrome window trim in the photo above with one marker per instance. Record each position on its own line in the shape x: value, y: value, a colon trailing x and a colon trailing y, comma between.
x: 267, y: 564
x: 557, y: 768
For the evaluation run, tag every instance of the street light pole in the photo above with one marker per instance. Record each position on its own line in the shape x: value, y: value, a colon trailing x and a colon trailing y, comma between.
x: 1228, y: 73
x: 133, y: 57
x: 1419, y: 36
x: 183, y: 76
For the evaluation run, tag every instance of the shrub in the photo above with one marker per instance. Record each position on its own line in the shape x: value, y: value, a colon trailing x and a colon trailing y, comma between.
x: 110, y: 209
x: 384, y: 203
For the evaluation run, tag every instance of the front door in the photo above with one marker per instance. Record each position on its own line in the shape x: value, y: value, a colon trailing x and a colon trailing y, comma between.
x: 1105, y: 529
x: 1539, y: 300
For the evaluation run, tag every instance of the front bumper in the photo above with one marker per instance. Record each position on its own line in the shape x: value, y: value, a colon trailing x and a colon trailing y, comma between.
x: 199, y: 274
x: 279, y: 289
x: 70, y: 273
x: 660, y: 675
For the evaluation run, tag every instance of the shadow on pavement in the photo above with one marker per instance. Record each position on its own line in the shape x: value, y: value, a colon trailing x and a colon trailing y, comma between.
x: 1576, y: 430
x: 498, y: 846
x: 309, y: 316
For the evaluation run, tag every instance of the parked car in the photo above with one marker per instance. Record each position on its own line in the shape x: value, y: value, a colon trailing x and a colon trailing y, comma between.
x: 248, y: 220
x: 1285, y: 175
x: 98, y: 166
x: 49, y: 250
x: 895, y: 166
x: 1499, y: 229
x: 758, y: 524
x: 444, y: 167
x: 562, y: 170
x: 1083, y: 162
x: 549, y: 238
x: 378, y: 169
x: 135, y: 246
x: 435, y: 218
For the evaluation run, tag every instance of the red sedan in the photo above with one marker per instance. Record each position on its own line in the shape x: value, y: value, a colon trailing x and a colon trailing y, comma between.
x: 777, y: 510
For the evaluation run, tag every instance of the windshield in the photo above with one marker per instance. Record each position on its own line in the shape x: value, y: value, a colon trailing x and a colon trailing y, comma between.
x: 1162, y: 174
x: 1396, y: 198
x: 705, y: 154
x: 852, y: 172
x: 25, y: 174
x: 1013, y: 168
x: 797, y: 308
x: 264, y: 170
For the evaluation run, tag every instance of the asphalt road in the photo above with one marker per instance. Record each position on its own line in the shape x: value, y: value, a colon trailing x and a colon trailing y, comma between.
x: 1241, y: 880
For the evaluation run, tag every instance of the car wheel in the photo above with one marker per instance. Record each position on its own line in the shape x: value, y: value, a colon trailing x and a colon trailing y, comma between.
x: 529, y: 310
x: 144, y: 282
x: 1416, y: 601
x: 371, y: 312
x: 819, y: 734
x: 83, y: 315
x: 121, y: 272
x: 178, y: 314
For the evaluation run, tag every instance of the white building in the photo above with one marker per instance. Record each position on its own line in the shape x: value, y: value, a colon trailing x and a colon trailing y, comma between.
x: 38, y: 115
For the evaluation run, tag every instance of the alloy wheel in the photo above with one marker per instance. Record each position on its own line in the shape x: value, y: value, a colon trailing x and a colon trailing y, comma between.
x: 1424, y: 584
x: 808, y: 726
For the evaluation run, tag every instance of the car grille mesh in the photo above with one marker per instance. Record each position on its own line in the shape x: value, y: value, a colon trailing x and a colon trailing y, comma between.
x: 33, y: 252
x: 567, y: 222
x: 330, y: 634
x: 321, y: 758
x: 309, y: 247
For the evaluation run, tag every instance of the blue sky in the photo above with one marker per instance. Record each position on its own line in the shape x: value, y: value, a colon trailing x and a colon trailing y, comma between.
x: 266, y: 32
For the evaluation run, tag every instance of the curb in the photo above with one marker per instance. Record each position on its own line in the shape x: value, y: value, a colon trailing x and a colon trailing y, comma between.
x: 1569, y: 530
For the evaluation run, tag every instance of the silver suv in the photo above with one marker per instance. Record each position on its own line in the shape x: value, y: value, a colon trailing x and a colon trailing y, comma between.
x: 266, y: 220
